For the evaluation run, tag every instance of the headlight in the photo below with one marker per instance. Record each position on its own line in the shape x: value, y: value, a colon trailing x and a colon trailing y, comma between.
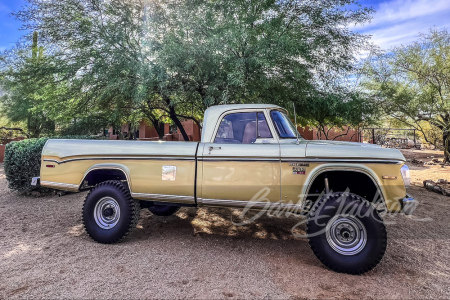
x: 406, y: 176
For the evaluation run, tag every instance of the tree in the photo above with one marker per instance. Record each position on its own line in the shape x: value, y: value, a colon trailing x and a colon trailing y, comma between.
x: 257, y: 51
x: 412, y: 84
x: 98, y: 49
x: 23, y: 100
x: 326, y: 111
x: 173, y: 59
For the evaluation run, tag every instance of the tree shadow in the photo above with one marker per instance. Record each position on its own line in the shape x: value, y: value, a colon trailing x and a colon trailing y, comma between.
x: 225, y: 222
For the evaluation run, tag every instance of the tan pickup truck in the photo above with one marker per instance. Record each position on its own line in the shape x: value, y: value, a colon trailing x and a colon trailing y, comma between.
x: 250, y: 156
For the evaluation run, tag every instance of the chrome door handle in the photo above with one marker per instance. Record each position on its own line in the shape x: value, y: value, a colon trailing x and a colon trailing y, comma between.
x: 214, y: 148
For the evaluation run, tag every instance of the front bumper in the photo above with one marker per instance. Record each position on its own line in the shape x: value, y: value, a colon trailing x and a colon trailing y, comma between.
x: 409, y: 205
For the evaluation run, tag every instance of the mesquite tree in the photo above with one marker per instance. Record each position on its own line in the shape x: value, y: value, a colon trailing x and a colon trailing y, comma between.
x: 173, y: 59
x: 24, y: 100
x: 412, y: 84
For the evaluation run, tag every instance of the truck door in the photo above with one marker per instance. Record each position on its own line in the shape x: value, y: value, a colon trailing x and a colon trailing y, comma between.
x: 242, y: 163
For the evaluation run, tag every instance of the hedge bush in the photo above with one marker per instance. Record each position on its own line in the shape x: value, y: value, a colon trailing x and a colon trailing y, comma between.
x: 23, y: 161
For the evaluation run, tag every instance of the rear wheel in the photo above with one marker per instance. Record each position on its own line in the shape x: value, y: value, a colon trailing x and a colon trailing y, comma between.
x: 346, y: 233
x: 109, y: 212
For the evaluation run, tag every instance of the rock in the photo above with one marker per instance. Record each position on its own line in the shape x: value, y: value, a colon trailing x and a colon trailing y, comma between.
x: 35, y: 194
x: 440, y: 186
x: 228, y: 293
x: 428, y: 184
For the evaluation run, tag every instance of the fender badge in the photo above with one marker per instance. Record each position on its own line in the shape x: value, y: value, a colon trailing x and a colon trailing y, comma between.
x: 298, y: 171
x: 295, y: 164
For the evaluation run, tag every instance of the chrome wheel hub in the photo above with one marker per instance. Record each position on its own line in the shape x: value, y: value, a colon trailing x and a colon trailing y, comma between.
x: 107, y: 213
x: 346, y: 235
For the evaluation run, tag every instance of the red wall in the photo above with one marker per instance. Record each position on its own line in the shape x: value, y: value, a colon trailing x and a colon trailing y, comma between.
x: 2, y: 147
x: 192, y: 130
x: 2, y: 153
x: 148, y: 133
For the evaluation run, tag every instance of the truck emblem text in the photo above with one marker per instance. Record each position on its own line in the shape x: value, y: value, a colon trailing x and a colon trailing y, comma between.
x: 298, y: 170
x: 294, y: 164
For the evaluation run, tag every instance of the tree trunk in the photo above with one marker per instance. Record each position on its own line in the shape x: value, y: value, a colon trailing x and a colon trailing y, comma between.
x: 155, y: 122
x: 157, y: 126
x: 177, y: 122
x: 446, y: 138
x: 173, y: 115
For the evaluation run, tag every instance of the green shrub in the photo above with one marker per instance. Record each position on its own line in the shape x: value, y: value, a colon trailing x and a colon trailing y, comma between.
x: 23, y: 161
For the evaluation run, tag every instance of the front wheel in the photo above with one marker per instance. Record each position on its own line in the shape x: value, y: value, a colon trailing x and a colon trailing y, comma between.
x: 346, y: 233
x: 109, y: 212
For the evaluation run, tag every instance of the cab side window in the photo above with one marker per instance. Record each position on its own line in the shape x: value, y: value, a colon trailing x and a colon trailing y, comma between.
x: 242, y: 128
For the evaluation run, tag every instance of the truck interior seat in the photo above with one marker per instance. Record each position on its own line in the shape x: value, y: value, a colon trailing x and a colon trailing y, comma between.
x: 250, y: 132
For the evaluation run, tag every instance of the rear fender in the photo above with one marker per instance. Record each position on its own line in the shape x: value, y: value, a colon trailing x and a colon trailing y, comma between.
x: 119, y: 167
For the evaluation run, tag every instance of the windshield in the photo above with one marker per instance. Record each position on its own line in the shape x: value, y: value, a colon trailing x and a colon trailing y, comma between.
x: 283, y: 124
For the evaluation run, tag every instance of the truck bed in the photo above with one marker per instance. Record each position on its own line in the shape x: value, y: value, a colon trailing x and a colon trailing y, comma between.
x: 65, y: 164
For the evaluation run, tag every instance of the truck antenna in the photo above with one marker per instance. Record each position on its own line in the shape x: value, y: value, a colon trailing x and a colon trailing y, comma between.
x: 296, y: 129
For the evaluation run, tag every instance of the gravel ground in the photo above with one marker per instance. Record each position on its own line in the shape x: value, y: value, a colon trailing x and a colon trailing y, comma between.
x: 45, y: 253
x: 421, y: 172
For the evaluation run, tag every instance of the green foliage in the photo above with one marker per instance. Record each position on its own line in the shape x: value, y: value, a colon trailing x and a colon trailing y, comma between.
x: 412, y: 84
x: 258, y: 51
x: 173, y: 59
x: 326, y: 111
x: 24, y: 97
x: 23, y: 161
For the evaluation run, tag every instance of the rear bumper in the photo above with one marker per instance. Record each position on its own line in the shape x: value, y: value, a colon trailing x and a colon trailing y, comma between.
x: 409, y: 205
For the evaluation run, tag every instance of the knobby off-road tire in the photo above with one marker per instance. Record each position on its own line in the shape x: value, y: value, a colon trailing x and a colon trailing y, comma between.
x: 346, y: 233
x: 163, y: 210
x: 109, y: 212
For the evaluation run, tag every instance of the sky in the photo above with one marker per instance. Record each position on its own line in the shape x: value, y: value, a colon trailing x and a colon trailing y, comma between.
x: 399, y: 22
x: 395, y: 23
x: 9, y: 27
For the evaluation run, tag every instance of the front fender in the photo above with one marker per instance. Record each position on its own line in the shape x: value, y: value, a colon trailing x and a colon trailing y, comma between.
x: 361, y: 168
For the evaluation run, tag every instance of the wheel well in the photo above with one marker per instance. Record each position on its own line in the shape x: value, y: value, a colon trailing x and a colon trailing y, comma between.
x: 340, y: 181
x: 100, y: 175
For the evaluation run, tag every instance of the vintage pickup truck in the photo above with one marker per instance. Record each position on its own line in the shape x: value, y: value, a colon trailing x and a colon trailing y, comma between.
x: 250, y: 156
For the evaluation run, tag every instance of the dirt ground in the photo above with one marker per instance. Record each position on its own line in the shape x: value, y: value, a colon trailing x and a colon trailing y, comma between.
x: 421, y: 172
x: 45, y: 253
